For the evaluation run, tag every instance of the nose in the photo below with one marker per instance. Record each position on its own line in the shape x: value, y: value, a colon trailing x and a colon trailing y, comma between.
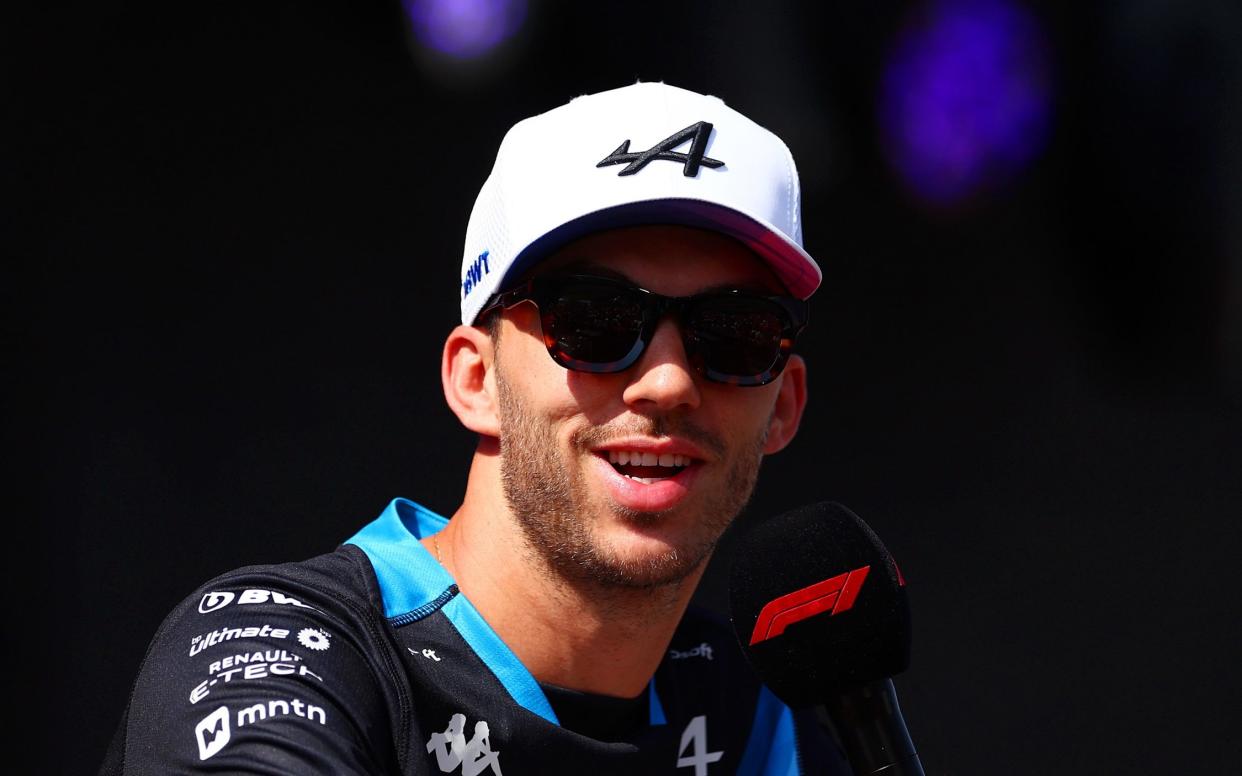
x: 663, y: 379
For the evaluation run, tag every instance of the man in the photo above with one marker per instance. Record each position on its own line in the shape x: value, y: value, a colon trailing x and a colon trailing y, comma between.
x: 632, y: 286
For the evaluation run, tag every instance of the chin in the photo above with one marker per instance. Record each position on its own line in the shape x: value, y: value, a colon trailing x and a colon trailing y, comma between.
x: 643, y: 574
x: 646, y: 558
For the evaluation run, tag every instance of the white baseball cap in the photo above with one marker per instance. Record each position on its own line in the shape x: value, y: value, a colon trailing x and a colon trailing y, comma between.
x: 642, y: 154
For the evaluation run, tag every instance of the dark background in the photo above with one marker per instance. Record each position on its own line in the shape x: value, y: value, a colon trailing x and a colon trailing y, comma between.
x: 235, y: 248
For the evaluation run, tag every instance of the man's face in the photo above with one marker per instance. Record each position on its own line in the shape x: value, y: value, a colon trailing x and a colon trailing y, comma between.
x: 565, y: 434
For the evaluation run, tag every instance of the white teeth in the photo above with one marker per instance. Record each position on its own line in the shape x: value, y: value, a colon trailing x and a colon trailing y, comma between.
x: 637, y: 458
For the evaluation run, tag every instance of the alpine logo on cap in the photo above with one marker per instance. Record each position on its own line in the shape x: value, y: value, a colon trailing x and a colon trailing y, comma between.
x: 697, y: 134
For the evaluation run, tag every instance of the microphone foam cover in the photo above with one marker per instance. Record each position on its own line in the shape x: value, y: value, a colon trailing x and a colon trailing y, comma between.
x: 833, y: 604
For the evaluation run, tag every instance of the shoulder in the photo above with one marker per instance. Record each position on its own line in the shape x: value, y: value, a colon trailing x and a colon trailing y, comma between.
x: 325, y: 582
x: 335, y: 590
x: 266, y: 665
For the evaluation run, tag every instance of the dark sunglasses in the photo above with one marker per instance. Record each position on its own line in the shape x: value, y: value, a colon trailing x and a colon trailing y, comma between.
x: 599, y: 325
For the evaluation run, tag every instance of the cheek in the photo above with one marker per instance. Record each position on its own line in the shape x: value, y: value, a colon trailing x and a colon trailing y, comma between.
x: 524, y: 363
x: 537, y: 391
x: 598, y: 398
x: 744, y: 412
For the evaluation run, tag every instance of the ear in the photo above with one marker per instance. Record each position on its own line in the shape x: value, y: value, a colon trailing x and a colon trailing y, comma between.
x: 790, y: 402
x: 467, y: 377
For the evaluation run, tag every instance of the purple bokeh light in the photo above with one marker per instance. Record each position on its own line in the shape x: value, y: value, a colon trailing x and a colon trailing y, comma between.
x: 964, y: 102
x: 464, y: 29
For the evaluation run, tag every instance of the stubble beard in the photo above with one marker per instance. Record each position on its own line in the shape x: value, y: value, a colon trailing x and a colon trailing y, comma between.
x: 551, y: 503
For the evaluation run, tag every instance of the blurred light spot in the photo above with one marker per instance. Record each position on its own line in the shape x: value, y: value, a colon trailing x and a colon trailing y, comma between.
x: 464, y: 29
x: 964, y: 104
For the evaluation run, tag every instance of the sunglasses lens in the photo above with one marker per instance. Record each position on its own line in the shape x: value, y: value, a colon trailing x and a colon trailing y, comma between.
x: 736, y: 336
x: 593, y: 327
x: 602, y: 326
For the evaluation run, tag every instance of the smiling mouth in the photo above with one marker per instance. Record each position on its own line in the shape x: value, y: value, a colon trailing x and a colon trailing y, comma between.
x: 648, y: 468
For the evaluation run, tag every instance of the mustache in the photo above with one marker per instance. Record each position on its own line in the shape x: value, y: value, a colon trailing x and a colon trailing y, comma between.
x: 653, y: 426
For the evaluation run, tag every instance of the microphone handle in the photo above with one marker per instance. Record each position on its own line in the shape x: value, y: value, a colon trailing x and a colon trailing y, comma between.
x: 872, y: 732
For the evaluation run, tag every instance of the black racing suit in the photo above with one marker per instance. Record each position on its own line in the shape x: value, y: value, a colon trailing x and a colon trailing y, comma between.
x: 369, y: 660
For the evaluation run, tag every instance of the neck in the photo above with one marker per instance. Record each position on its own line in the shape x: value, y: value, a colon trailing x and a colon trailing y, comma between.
x: 569, y: 632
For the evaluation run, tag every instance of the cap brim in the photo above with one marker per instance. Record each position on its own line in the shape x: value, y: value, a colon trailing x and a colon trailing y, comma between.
x: 792, y: 265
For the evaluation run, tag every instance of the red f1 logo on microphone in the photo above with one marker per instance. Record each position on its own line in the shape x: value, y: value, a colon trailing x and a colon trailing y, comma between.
x: 837, y: 593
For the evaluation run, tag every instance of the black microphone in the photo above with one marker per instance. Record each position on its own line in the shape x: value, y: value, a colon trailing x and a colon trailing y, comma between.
x: 821, y: 611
